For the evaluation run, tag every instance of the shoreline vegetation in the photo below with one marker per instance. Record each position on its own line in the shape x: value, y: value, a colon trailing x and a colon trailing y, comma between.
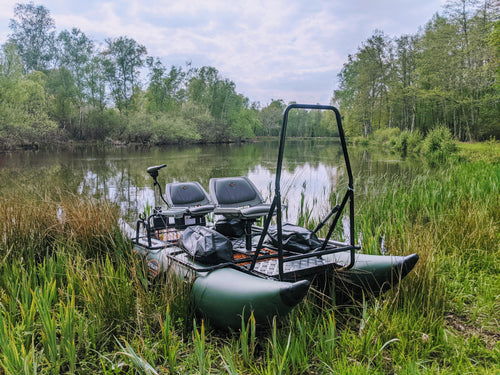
x: 64, y: 88
x: 75, y: 299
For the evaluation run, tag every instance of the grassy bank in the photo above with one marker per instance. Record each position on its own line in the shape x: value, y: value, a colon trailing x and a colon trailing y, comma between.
x: 74, y: 300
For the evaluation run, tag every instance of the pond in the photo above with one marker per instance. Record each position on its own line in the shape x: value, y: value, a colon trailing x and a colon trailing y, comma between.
x: 313, y: 175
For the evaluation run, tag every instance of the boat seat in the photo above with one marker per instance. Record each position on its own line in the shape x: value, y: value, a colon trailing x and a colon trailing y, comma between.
x: 188, y: 198
x: 237, y: 197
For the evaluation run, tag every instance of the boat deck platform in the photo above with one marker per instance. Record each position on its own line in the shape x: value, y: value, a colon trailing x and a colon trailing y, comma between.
x: 267, y: 264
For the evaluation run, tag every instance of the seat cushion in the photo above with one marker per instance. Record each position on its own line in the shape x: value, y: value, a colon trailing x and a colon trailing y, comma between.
x: 255, y: 212
x: 234, y: 191
x: 201, y: 210
x: 228, y: 211
x: 186, y: 194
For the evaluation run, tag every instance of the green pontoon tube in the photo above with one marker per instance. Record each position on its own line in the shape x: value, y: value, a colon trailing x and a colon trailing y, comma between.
x: 237, y: 267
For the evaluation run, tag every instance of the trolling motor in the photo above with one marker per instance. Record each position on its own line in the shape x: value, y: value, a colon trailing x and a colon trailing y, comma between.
x: 153, y: 172
x: 144, y: 221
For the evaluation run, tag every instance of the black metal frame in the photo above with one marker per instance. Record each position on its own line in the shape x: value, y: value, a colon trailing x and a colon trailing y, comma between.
x: 145, y: 222
x: 328, y: 247
x: 276, y: 203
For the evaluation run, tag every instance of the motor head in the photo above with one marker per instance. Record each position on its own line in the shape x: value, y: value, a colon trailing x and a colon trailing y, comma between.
x: 153, y: 171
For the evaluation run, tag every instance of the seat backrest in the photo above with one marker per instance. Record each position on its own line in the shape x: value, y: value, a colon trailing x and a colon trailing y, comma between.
x: 234, y: 192
x: 186, y: 194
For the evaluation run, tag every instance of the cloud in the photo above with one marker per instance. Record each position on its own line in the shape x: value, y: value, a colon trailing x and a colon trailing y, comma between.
x: 286, y: 49
x: 6, y: 13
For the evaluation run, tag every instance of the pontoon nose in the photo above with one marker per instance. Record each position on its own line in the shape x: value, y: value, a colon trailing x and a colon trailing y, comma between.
x: 408, y: 264
x: 292, y: 294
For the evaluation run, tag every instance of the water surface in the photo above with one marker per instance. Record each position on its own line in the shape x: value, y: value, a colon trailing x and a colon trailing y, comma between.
x: 313, y: 175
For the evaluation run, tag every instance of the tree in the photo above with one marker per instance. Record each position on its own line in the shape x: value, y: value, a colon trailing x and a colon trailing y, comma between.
x: 402, y: 93
x: 64, y: 94
x: 204, y: 88
x: 444, y: 75
x: 271, y: 117
x: 33, y: 32
x: 364, y: 83
x: 125, y: 57
x: 241, y: 119
x: 373, y: 79
x: 456, y: 80
x: 23, y: 110
x: 11, y: 66
x: 328, y: 125
x: 346, y: 95
x: 166, y: 91
x: 96, y: 73
x: 217, y: 97
x: 75, y: 53
x: 494, y: 40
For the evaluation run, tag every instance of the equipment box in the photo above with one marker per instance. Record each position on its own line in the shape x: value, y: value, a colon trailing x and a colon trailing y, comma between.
x: 186, y: 221
x: 163, y: 220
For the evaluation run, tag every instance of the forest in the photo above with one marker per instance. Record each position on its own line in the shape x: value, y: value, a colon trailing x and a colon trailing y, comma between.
x: 66, y: 87
x: 445, y: 75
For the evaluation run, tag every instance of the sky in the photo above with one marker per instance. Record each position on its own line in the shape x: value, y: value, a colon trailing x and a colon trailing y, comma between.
x: 271, y: 49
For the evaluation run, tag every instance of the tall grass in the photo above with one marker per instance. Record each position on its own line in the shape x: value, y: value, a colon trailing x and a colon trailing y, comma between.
x: 74, y: 300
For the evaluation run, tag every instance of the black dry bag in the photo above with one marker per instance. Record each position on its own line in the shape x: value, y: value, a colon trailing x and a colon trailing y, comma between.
x: 206, y: 245
x: 295, y: 238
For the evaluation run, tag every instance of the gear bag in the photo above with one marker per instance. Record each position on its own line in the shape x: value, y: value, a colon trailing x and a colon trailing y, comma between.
x: 295, y: 238
x: 230, y: 227
x: 206, y: 245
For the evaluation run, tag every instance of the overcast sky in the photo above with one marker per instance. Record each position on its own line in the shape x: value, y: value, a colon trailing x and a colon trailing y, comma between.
x: 274, y: 49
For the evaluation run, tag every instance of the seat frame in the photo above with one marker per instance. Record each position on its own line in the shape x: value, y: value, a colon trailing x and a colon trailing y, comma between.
x: 248, y: 209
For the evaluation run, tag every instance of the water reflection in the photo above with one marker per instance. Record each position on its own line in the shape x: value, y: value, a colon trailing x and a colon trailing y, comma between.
x: 306, y: 184
x: 313, y: 171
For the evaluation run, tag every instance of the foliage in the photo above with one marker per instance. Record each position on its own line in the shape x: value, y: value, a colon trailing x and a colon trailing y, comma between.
x: 271, y: 117
x: 488, y: 151
x: 23, y: 115
x: 408, y: 143
x: 438, y: 145
x: 386, y: 138
x: 63, y: 95
x: 166, y: 91
x: 159, y: 129
x: 446, y: 74
x: 125, y: 56
x: 443, y: 75
x: 494, y: 40
x: 33, y: 33
x: 99, y: 124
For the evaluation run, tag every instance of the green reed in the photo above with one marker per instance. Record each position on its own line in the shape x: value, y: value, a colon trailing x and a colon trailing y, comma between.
x: 203, y: 356
x: 74, y: 300
x: 247, y: 339
x: 170, y: 342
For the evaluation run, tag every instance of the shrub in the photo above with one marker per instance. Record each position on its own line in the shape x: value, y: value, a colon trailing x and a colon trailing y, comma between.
x: 169, y: 129
x: 386, y: 137
x: 139, y: 128
x: 438, y: 145
x: 408, y: 143
x: 360, y: 141
x: 100, y: 124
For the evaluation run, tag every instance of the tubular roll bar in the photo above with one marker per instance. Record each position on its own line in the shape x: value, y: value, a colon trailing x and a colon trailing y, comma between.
x: 276, y: 203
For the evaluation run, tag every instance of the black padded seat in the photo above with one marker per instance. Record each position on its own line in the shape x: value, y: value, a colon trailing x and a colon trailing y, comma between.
x: 244, y: 213
x: 189, y: 196
x: 237, y: 197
